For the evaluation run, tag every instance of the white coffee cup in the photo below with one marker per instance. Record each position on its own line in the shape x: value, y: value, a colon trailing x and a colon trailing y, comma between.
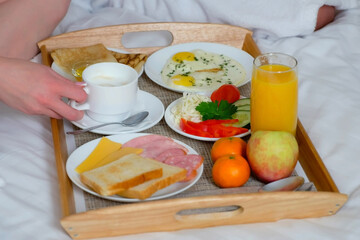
x: 112, y: 91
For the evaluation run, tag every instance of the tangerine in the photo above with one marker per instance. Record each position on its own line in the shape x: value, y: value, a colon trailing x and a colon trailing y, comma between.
x: 231, y: 171
x: 228, y: 145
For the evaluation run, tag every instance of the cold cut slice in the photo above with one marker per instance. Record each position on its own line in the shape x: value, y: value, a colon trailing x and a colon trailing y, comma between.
x: 153, y: 149
x: 172, y: 152
x: 165, y: 149
x: 191, y: 162
x: 140, y: 141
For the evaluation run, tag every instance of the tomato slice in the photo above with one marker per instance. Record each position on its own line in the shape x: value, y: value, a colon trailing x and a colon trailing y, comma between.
x: 226, y: 92
x: 228, y: 131
x: 199, y: 126
x: 193, y: 129
x: 211, y: 128
x: 219, y: 130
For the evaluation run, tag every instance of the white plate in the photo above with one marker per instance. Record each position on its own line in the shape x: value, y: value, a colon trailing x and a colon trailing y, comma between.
x: 169, y: 119
x: 80, y: 154
x: 157, y: 60
x: 60, y: 71
x: 146, y: 102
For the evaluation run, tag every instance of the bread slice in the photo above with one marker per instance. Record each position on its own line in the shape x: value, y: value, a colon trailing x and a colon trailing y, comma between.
x: 67, y: 57
x: 171, y: 174
x: 124, y: 173
x: 134, y: 60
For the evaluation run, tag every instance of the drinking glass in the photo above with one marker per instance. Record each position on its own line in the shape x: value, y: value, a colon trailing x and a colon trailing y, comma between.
x: 274, y: 93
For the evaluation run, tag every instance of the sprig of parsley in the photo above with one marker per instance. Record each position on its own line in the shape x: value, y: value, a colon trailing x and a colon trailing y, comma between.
x: 213, y: 110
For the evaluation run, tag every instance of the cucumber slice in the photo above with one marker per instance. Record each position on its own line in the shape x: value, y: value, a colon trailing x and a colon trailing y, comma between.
x: 242, y: 101
x: 243, y: 116
x: 244, y: 107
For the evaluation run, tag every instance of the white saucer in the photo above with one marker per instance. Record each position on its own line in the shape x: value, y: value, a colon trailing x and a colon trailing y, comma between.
x: 146, y: 101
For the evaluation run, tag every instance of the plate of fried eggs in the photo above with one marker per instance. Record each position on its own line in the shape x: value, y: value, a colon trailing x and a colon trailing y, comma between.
x: 199, y: 67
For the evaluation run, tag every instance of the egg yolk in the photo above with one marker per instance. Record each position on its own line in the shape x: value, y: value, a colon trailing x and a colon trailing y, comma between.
x: 183, y: 56
x: 182, y: 80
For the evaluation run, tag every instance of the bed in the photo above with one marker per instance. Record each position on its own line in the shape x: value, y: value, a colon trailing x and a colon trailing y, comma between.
x: 329, y: 98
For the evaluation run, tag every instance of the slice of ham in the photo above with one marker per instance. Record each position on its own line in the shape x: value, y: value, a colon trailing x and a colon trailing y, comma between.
x: 138, y: 142
x: 166, y: 150
x: 191, y: 162
x: 154, y: 148
x: 172, y: 152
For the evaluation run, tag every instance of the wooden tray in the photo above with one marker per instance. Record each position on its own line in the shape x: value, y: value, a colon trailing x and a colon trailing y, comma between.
x: 168, y: 214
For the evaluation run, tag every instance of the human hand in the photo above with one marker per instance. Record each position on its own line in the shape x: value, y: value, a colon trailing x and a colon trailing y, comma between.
x: 325, y: 16
x: 36, y: 89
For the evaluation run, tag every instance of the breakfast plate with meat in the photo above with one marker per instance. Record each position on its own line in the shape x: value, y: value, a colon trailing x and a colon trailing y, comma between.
x: 199, y: 67
x: 103, y: 167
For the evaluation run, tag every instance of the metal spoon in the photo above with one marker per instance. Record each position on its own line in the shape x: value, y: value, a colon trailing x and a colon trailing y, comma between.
x: 285, y: 184
x: 128, y: 122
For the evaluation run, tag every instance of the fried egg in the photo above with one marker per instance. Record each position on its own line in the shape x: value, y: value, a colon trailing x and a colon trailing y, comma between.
x: 201, y: 71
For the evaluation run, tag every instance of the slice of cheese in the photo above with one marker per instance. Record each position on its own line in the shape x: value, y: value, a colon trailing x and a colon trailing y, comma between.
x: 103, y: 149
x: 117, y: 154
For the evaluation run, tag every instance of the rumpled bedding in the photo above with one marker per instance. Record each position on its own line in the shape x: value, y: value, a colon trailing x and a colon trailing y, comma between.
x: 329, y: 109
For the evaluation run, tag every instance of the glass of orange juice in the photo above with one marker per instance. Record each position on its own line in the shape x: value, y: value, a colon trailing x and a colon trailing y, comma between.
x: 274, y: 93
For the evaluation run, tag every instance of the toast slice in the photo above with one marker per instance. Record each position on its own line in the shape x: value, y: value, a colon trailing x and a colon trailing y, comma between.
x: 134, y: 60
x: 67, y: 57
x: 124, y: 173
x: 171, y: 174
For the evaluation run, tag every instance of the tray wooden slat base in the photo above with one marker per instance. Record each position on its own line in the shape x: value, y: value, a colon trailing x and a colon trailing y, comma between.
x: 168, y: 214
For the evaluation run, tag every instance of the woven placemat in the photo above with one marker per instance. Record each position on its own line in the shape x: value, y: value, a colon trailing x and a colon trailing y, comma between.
x: 205, y: 185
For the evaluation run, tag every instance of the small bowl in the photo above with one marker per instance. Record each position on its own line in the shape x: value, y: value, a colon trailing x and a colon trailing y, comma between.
x: 78, y: 68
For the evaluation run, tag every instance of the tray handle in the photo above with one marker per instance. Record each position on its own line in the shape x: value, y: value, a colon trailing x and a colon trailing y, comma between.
x: 170, y: 215
x: 111, y: 36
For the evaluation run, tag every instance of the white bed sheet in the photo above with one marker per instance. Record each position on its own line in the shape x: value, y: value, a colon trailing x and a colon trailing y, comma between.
x: 329, y: 108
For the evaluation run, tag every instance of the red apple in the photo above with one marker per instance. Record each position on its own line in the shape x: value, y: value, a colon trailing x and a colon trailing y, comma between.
x: 272, y: 155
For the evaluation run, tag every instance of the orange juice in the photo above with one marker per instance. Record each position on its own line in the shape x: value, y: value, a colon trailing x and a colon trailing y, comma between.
x: 274, y: 94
